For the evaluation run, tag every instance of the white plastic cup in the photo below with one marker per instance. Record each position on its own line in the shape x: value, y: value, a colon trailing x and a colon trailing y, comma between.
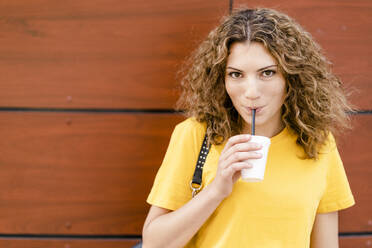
x: 257, y: 171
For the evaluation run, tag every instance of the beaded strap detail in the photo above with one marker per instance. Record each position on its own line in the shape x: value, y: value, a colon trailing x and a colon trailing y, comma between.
x: 196, y: 182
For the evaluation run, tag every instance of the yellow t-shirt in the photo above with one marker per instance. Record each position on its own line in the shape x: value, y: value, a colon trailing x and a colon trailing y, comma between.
x: 276, y: 212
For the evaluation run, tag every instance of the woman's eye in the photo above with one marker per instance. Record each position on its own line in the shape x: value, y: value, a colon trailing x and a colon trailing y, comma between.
x: 235, y: 74
x: 268, y: 73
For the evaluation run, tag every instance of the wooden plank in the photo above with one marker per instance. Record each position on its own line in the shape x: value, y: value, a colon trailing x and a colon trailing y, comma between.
x: 356, y: 242
x: 65, y: 243
x: 75, y: 173
x: 98, y: 53
x: 340, y: 28
x: 345, y: 242
x: 355, y: 149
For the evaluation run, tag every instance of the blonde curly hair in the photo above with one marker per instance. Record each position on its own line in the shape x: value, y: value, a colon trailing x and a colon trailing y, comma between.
x: 315, y: 103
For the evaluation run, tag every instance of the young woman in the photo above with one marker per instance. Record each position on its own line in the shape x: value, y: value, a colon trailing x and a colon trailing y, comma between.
x: 256, y: 59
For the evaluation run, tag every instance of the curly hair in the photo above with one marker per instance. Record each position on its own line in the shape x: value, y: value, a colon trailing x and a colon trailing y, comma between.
x: 315, y: 102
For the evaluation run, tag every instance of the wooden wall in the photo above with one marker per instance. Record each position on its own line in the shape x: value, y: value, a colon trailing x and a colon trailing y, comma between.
x: 86, y: 96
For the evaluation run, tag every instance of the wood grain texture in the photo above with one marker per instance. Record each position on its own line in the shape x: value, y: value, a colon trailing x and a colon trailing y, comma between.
x: 355, y: 149
x: 79, y: 173
x: 98, y: 53
x: 341, y: 28
x: 356, y: 242
x: 345, y: 242
x: 65, y: 243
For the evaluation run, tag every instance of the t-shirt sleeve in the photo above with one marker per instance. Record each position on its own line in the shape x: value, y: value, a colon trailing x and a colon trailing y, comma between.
x: 171, y: 188
x: 337, y: 195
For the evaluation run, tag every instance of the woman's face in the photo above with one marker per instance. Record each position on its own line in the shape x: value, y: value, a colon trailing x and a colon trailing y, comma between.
x: 254, y: 81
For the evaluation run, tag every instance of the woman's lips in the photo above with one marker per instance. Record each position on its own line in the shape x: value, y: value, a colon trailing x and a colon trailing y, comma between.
x: 258, y: 109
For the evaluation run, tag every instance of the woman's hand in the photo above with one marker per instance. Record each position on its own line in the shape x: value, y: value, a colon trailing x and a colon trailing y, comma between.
x: 232, y: 160
x: 182, y: 224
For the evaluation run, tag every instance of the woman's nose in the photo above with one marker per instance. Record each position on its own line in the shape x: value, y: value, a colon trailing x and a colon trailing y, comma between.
x: 251, y: 90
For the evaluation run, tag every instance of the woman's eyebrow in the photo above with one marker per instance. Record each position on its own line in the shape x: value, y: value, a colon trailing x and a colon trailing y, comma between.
x: 266, y: 67
x: 261, y: 69
x: 232, y: 68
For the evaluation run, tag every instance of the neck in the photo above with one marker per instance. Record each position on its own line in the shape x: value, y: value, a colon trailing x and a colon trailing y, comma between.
x: 265, y: 130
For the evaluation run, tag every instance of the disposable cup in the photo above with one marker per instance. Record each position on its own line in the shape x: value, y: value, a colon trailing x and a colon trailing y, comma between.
x: 257, y: 171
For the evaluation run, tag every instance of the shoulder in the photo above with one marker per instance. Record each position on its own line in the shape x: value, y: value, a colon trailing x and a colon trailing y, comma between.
x: 188, y: 135
x: 329, y: 145
x: 329, y: 153
x: 191, y: 126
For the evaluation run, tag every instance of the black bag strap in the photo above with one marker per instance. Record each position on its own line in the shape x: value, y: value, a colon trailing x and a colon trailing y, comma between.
x: 196, y: 182
x: 197, y: 178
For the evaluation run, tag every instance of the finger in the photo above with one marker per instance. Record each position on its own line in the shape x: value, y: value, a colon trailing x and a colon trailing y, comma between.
x: 236, y: 176
x: 231, y: 170
x: 241, y: 147
x: 240, y: 157
x: 241, y: 165
x: 235, y: 140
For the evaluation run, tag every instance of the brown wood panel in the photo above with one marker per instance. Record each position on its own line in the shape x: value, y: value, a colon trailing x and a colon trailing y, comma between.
x: 65, y: 243
x: 75, y: 173
x: 345, y: 242
x: 98, y: 53
x: 356, y: 242
x: 342, y: 29
x: 355, y: 149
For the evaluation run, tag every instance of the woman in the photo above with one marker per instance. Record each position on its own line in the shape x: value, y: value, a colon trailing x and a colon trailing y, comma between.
x: 256, y: 59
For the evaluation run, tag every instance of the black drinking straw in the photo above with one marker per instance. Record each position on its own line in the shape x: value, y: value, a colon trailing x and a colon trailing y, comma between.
x: 253, y: 121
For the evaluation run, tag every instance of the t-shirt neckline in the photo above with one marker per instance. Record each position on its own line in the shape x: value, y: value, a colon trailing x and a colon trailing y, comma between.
x: 280, y: 136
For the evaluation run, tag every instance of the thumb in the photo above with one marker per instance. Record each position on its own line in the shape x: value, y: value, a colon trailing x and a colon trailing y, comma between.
x: 236, y: 176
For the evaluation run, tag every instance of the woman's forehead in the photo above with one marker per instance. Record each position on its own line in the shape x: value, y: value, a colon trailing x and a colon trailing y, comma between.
x: 253, y: 55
